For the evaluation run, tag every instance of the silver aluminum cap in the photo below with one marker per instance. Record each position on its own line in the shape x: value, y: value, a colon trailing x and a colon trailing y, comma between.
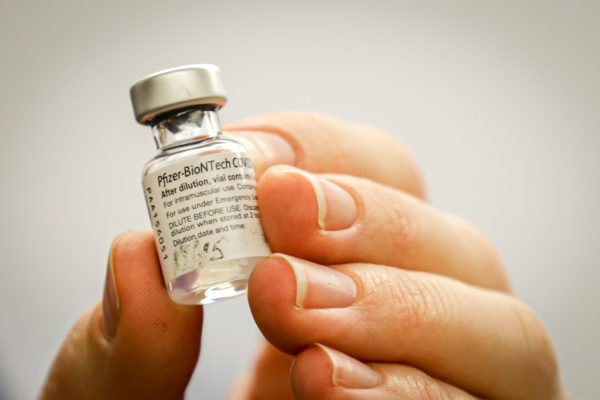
x: 176, y: 88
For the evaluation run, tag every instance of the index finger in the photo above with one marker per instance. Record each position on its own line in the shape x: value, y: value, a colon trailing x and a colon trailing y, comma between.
x: 318, y: 143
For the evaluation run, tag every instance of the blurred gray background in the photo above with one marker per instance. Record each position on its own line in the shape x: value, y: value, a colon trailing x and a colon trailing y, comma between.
x: 499, y: 101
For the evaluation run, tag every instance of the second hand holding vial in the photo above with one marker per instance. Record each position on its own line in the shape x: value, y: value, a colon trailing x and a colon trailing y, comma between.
x: 200, y: 188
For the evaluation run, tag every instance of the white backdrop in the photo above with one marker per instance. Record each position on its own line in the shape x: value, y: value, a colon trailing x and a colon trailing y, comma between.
x: 498, y: 100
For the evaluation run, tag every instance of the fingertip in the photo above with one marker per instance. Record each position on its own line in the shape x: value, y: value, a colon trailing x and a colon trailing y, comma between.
x: 288, y: 208
x: 321, y: 372
x: 302, y: 215
x: 271, y: 281
x: 156, y: 339
x: 152, y: 349
x: 138, y: 282
x: 310, y: 375
x: 144, y: 302
x: 133, y: 247
x: 294, y: 301
x: 137, y: 270
x: 271, y: 295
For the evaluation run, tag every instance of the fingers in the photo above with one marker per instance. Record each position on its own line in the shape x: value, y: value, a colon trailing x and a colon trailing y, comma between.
x: 445, y: 328
x: 321, y: 372
x: 319, y: 143
x: 334, y: 219
x: 138, y: 343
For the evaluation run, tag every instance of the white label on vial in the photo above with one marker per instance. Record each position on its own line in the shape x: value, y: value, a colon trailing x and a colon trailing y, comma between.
x: 204, y: 211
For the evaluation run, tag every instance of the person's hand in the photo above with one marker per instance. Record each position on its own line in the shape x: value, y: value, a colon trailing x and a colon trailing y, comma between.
x: 119, y: 348
x: 137, y: 343
x: 394, y: 316
x: 398, y: 300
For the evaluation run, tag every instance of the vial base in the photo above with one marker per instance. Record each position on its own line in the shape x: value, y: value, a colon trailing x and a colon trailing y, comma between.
x: 212, y: 282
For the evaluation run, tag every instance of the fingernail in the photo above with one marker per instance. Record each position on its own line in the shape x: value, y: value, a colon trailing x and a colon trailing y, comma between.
x: 336, y: 208
x: 318, y: 286
x: 266, y: 149
x: 349, y: 372
x: 110, y: 301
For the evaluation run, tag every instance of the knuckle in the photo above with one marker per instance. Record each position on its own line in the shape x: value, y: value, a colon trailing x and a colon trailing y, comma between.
x: 407, y: 242
x: 423, y: 302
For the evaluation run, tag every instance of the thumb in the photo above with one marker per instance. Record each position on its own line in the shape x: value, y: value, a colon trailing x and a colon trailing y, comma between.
x: 137, y: 343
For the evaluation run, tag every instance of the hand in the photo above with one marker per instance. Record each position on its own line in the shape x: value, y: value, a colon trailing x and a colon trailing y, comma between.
x: 107, y: 354
x: 118, y: 348
x: 398, y: 300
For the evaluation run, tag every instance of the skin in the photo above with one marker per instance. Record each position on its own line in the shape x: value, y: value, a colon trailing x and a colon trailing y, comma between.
x: 430, y: 314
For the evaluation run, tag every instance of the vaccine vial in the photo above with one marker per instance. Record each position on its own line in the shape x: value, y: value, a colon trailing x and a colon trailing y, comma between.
x: 200, y: 188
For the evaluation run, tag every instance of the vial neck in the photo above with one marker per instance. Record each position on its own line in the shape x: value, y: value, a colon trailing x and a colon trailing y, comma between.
x: 185, y: 127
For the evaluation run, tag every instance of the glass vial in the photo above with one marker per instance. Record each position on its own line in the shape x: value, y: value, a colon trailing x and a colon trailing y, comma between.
x: 200, y: 188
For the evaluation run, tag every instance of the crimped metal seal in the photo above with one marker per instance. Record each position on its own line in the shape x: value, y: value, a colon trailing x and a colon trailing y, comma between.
x: 176, y: 88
